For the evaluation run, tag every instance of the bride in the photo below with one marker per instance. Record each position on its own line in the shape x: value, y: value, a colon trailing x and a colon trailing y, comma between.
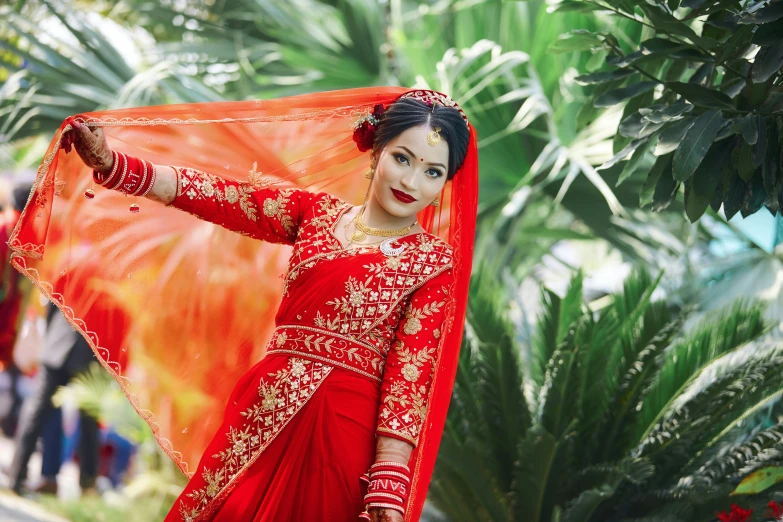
x: 342, y: 416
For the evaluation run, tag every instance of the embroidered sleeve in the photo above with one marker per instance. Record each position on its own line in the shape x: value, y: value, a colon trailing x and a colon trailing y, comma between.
x: 269, y: 214
x: 412, y: 360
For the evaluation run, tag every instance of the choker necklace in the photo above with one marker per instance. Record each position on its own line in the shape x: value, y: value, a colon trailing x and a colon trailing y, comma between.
x: 362, y: 230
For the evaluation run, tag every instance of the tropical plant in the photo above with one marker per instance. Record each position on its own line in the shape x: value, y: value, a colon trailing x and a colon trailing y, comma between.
x: 75, y: 67
x: 619, y: 414
x: 704, y: 99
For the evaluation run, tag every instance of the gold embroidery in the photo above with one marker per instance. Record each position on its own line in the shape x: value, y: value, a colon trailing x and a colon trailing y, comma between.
x: 281, y: 399
x: 232, y: 195
x: 246, y: 204
x: 331, y: 348
x: 415, y: 315
x: 276, y: 208
x: 257, y: 180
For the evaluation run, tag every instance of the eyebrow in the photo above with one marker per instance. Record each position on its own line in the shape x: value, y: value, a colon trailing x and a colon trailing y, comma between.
x: 412, y: 154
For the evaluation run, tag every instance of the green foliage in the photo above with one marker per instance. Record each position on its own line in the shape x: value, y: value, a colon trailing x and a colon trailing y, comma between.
x: 715, y: 120
x: 625, y: 415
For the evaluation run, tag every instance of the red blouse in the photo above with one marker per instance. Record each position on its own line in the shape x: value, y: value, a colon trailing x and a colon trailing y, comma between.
x: 359, y: 309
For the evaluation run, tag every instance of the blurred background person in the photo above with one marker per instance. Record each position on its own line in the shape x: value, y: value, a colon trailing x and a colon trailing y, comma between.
x: 64, y: 354
x: 15, y: 291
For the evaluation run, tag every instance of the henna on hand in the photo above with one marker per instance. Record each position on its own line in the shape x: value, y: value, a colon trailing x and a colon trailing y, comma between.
x: 91, y: 146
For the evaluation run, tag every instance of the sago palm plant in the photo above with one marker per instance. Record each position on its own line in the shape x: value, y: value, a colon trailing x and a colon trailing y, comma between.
x: 617, y: 415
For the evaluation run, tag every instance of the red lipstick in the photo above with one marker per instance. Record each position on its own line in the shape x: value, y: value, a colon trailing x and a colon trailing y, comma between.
x: 402, y: 196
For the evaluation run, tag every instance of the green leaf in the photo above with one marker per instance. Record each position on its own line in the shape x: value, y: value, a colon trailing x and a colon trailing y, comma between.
x: 759, y: 481
x: 732, y: 87
x: 701, y: 187
x: 755, y: 195
x: 635, y: 144
x: 745, y: 166
x: 601, y: 77
x: 701, y: 96
x: 750, y: 128
x: 632, y: 164
x: 768, y: 34
x: 616, y: 96
x: 695, y: 144
x: 772, y: 12
x: 597, y: 60
x: 671, y: 136
x: 665, y: 190
x: 767, y: 62
x: 662, y: 165
x: 574, y: 42
x: 632, y: 123
x: 663, y: 114
x: 667, y: 23
x: 770, y: 163
x: 738, y: 40
x: 735, y: 194
x: 660, y: 46
x: 567, y: 6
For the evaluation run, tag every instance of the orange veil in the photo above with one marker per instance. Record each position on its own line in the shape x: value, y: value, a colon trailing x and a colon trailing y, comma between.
x: 177, y: 309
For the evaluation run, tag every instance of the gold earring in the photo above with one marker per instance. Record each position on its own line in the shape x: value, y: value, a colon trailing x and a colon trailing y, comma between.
x: 369, y: 174
x: 435, y: 202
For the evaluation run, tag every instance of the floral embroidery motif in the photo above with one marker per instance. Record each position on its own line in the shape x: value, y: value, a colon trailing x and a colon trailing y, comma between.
x: 281, y: 398
x: 414, y: 316
x: 333, y: 349
x: 276, y: 208
x: 199, y: 186
x: 410, y: 366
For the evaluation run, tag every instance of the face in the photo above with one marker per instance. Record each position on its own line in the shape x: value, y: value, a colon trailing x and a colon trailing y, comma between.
x: 409, y: 172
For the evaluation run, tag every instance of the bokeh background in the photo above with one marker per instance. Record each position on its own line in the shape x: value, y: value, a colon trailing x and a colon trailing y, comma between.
x: 622, y: 357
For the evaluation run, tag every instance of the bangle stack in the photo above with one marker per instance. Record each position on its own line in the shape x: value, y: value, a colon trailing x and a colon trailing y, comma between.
x: 129, y: 175
x: 388, y: 484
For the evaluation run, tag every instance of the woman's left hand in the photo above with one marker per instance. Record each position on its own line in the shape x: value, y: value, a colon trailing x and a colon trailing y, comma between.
x: 385, y: 515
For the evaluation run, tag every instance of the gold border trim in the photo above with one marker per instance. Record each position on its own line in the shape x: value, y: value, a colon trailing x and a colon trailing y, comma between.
x: 102, y: 354
x: 210, y: 508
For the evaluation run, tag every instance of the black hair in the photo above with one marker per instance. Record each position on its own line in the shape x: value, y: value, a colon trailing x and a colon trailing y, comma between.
x: 20, y: 194
x: 406, y: 113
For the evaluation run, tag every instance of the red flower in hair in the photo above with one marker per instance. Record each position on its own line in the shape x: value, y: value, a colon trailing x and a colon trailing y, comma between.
x: 364, y: 132
x: 364, y: 135
x: 737, y: 514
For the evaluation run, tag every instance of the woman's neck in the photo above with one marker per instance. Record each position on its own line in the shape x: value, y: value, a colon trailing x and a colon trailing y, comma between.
x: 375, y: 216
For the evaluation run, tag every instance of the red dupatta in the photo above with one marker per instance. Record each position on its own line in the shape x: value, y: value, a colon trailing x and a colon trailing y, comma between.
x: 197, y: 302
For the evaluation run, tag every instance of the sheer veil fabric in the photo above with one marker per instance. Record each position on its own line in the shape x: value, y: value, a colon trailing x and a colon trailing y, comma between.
x: 177, y: 309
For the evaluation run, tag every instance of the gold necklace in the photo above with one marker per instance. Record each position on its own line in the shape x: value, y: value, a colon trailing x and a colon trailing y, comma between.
x: 362, y: 230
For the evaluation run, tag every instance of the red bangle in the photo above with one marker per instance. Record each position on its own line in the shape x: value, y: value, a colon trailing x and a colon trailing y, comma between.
x: 102, y: 179
x: 150, y: 180
x: 388, y: 486
x: 122, y: 171
x: 129, y: 175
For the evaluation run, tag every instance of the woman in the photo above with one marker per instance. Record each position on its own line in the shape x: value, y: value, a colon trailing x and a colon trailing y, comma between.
x: 343, y: 415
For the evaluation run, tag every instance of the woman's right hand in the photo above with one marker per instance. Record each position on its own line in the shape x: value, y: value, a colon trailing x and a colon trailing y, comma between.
x: 90, y: 145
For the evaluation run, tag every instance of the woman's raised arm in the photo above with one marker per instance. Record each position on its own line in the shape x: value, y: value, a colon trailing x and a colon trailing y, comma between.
x: 265, y: 213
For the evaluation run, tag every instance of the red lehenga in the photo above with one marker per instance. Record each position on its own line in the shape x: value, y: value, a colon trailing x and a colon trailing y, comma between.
x: 277, y: 386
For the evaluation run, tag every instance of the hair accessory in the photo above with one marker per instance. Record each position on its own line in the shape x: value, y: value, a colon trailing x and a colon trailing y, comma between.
x: 428, y: 96
x: 433, y: 137
x: 364, y: 128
